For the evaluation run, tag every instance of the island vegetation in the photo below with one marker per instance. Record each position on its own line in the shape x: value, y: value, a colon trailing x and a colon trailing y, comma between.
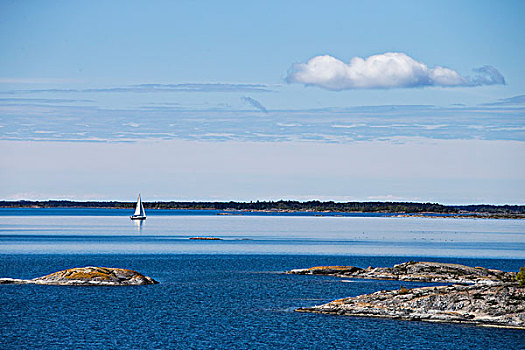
x: 511, y: 211
x: 520, y: 276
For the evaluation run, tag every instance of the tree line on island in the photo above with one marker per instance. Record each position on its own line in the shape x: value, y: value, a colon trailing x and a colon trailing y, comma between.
x: 286, y: 205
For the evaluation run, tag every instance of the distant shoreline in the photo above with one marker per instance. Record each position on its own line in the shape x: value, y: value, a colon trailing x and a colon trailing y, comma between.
x: 317, y: 208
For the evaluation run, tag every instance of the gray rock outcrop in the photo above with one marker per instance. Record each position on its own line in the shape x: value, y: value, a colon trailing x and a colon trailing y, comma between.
x: 497, y: 305
x: 415, y: 271
x: 478, y: 295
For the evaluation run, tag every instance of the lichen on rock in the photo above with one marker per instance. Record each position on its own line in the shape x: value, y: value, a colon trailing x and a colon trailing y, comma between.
x: 498, y: 305
x: 421, y: 271
x: 88, y: 276
x: 479, y: 295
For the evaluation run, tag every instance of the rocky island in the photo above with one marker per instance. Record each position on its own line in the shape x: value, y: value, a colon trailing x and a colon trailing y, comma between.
x: 206, y: 238
x: 88, y: 276
x: 478, y: 296
x: 415, y: 271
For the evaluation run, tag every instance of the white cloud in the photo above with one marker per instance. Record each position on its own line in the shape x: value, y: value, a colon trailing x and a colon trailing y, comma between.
x: 347, y: 126
x: 288, y: 124
x: 390, y: 197
x: 388, y: 70
x: 132, y: 124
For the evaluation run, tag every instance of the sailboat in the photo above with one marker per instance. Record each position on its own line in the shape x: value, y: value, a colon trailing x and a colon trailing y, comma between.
x: 139, y: 214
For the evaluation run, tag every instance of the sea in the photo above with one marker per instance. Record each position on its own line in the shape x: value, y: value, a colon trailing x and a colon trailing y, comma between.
x: 233, y: 293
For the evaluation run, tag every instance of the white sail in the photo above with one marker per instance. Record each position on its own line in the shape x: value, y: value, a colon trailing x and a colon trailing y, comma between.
x: 142, y: 211
x: 139, y: 209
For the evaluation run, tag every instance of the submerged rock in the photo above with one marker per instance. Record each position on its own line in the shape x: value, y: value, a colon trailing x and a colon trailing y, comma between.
x: 496, y: 305
x: 88, y: 276
x: 415, y: 271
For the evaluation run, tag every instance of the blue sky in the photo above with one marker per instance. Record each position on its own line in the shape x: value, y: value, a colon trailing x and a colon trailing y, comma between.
x: 320, y: 86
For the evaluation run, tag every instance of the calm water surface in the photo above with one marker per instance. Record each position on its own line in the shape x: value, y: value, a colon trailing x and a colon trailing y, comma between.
x: 24, y: 231
x: 231, y: 294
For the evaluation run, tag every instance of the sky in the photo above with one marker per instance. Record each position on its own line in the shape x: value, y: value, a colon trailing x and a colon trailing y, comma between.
x: 204, y: 100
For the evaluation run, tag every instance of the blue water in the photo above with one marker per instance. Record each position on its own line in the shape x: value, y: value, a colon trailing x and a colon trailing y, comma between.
x: 232, y: 294
x: 261, y: 234
x: 210, y: 301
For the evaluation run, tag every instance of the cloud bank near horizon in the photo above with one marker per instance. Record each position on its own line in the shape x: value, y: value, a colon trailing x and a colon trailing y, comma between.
x: 154, y: 88
x: 510, y: 101
x: 393, y: 123
x: 384, y: 71
x: 253, y: 102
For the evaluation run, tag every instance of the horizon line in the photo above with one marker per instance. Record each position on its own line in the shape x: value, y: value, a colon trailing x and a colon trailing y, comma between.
x: 259, y: 201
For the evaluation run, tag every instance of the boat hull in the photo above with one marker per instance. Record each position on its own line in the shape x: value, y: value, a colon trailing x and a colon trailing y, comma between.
x: 133, y: 217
